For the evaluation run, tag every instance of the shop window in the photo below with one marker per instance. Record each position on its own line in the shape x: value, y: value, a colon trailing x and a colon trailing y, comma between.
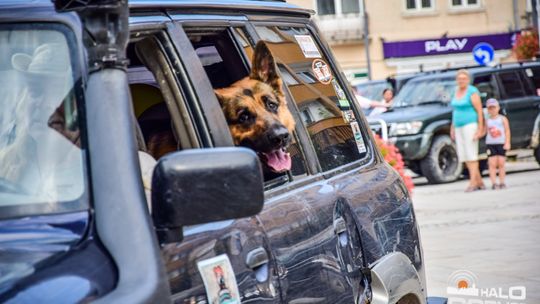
x: 324, y: 109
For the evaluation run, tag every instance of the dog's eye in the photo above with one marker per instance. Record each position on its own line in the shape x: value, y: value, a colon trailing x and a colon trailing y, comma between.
x: 270, y: 104
x: 244, y: 116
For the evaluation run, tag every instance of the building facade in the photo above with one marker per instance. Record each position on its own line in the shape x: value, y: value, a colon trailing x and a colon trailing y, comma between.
x: 406, y: 36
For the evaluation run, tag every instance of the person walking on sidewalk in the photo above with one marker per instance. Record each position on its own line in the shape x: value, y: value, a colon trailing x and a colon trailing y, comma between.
x: 467, y: 127
x: 497, y: 142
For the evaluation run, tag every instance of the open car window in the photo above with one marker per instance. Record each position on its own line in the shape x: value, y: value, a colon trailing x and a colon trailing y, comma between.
x: 226, y: 54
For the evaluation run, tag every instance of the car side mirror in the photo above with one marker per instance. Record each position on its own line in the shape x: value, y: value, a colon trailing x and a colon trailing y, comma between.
x: 205, y: 185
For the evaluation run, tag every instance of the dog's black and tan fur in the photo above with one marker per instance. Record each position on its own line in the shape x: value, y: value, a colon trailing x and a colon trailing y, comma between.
x: 256, y: 109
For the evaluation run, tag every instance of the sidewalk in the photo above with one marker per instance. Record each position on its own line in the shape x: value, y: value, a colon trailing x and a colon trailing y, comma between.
x: 494, y: 234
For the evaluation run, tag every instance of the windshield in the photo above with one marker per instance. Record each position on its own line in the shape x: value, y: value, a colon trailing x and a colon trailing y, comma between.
x: 425, y: 91
x: 372, y: 91
x: 40, y: 149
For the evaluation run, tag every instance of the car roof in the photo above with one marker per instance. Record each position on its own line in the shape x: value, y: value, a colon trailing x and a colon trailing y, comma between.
x: 243, y: 5
x: 474, y: 70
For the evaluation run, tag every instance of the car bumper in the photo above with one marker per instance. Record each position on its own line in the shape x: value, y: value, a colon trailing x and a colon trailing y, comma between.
x: 412, y: 147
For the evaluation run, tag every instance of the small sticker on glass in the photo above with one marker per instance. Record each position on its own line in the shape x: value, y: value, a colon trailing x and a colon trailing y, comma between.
x: 348, y: 116
x: 322, y: 71
x: 358, y: 137
x: 308, y: 46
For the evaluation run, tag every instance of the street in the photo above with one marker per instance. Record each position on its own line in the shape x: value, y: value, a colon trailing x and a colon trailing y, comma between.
x: 495, y: 234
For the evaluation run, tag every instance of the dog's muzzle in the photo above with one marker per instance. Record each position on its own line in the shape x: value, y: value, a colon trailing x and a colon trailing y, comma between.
x: 278, y: 159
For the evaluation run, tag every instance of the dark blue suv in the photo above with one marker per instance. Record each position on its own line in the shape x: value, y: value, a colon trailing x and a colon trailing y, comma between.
x: 85, y: 82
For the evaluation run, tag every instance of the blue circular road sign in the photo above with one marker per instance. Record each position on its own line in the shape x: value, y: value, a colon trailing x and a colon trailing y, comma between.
x: 483, y: 53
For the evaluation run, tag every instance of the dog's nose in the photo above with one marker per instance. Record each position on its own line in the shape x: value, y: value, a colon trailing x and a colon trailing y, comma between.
x: 279, y: 136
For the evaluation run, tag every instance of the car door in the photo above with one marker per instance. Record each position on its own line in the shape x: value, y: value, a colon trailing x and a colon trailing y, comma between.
x: 311, y: 228
x: 213, y: 260
x: 520, y: 105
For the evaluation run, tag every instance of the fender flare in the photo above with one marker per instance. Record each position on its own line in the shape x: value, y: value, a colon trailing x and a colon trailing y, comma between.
x: 437, y: 125
x: 393, y: 277
x: 428, y: 135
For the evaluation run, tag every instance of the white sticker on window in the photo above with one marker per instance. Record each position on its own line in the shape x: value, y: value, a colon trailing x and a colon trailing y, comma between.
x: 358, y: 137
x: 321, y: 71
x: 219, y: 280
x: 308, y: 46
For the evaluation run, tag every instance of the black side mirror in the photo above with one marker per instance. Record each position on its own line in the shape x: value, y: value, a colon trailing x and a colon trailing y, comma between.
x: 204, y: 185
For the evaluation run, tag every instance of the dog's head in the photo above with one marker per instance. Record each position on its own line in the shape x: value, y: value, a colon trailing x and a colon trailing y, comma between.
x: 257, y: 113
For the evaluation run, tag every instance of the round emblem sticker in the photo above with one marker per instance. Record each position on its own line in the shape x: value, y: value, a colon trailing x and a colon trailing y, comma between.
x: 321, y: 71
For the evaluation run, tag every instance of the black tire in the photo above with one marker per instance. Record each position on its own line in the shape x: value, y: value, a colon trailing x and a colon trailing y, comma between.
x: 537, y: 154
x: 441, y: 164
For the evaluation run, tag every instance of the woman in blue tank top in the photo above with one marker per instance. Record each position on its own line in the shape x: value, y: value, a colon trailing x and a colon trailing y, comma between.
x: 467, y: 127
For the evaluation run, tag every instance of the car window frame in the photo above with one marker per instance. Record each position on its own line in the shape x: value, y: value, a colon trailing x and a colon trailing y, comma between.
x: 532, y: 82
x: 210, y: 121
x: 248, y: 23
x: 527, y: 82
x: 172, y: 92
x: 503, y: 93
x: 251, y: 35
x: 67, y: 26
x: 368, y: 139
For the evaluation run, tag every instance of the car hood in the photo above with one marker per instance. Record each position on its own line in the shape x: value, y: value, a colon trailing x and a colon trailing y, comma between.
x: 416, y: 113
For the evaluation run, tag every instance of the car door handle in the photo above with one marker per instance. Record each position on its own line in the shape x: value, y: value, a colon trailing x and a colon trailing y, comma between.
x: 257, y: 260
x: 256, y: 257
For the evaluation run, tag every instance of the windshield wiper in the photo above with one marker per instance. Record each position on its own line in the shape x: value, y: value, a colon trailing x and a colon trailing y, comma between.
x: 433, y: 102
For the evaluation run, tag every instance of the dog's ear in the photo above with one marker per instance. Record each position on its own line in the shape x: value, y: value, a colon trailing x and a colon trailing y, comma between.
x: 220, y: 96
x: 264, y: 67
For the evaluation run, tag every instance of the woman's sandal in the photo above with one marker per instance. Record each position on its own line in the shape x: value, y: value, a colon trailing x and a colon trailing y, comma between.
x: 471, y: 189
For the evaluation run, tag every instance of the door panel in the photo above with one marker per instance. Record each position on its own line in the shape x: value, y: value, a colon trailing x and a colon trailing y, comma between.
x: 240, y: 240
x: 301, y: 232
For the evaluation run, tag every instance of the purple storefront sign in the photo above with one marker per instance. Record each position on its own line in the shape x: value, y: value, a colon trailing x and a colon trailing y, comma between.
x: 428, y: 47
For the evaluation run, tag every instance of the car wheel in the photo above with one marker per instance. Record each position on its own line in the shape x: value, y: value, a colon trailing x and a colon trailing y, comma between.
x: 537, y: 154
x: 441, y: 164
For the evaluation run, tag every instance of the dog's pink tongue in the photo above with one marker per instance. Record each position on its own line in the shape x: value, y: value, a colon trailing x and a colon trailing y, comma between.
x: 278, y: 160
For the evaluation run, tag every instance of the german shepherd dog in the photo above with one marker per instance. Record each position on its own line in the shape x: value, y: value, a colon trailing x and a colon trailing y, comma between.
x: 257, y: 113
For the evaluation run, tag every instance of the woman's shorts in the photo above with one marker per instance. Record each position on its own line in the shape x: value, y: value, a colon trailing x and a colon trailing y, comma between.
x: 495, y: 150
x: 466, y: 145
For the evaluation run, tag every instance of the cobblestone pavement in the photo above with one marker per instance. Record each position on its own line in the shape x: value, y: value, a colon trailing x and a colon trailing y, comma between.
x: 495, y: 234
